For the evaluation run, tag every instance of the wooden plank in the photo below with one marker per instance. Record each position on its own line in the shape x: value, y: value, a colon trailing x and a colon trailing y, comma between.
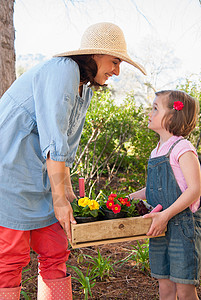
x: 104, y: 230
x: 110, y: 241
x: 109, y: 231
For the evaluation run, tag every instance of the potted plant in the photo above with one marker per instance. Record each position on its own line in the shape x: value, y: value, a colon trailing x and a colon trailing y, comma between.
x: 114, y: 206
x: 139, y: 208
x: 85, y: 210
x: 120, y: 206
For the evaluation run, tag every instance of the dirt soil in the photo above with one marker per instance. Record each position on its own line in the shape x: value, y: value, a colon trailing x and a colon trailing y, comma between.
x: 128, y: 282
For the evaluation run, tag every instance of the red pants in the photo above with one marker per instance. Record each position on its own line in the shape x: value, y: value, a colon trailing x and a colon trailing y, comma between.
x: 50, y: 243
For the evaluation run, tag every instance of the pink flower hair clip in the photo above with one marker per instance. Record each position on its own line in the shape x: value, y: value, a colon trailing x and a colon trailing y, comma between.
x: 178, y: 105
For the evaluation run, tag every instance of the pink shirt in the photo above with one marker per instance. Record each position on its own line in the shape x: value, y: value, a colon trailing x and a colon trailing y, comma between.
x: 179, y: 149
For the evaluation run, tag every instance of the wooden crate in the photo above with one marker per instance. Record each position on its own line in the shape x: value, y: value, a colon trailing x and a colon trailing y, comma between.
x: 109, y: 231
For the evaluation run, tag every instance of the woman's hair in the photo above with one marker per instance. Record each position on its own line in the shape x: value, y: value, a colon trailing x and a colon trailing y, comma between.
x: 179, y: 122
x: 88, y: 68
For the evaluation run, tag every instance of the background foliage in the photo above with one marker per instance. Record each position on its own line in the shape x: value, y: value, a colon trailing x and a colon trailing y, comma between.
x: 116, y: 142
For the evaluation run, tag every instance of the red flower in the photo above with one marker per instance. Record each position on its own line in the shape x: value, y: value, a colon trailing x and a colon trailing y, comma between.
x: 117, y: 203
x: 178, y: 105
x: 113, y: 195
x: 123, y: 200
x: 110, y: 204
x: 116, y: 208
x: 127, y: 202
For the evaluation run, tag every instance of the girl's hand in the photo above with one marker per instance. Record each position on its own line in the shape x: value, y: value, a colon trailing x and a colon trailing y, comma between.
x: 159, y: 223
x: 64, y: 214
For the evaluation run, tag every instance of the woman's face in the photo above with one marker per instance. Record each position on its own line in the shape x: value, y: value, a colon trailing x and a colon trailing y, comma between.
x: 107, y: 66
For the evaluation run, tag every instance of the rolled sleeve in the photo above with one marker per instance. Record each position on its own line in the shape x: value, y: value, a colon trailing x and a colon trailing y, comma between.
x: 55, y: 87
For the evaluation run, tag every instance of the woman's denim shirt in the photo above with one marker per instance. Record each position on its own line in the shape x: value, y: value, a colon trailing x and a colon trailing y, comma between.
x: 40, y: 113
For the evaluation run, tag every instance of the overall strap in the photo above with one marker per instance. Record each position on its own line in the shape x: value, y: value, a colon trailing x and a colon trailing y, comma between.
x: 168, y: 154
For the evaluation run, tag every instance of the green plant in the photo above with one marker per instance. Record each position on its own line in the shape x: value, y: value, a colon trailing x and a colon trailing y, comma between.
x: 139, y: 207
x: 133, y: 212
x: 101, y: 267
x: 115, y: 138
x: 22, y: 292
x: 87, y: 282
x: 25, y: 295
x: 140, y: 254
x: 85, y: 207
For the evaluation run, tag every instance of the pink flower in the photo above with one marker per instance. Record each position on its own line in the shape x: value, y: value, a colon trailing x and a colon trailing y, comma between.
x: 178, y: 105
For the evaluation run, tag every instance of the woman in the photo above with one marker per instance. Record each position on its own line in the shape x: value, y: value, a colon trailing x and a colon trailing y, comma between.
x: 41, y: 119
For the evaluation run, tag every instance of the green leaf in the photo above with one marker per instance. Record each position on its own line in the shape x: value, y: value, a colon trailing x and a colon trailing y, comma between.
x: 94, y: 213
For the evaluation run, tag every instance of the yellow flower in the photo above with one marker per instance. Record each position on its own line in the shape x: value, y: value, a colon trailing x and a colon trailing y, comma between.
x: 83, y: 201
x: 86, y: 201
x: 93, y: 205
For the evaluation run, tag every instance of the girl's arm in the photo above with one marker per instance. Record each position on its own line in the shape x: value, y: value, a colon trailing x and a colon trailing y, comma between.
x: 190, y: 168
x: 62, y: 207
x: 141, y: 194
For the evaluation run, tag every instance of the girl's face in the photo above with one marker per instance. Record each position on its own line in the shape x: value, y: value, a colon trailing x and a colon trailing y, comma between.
x: 156, y: 115
x: 107, y: 66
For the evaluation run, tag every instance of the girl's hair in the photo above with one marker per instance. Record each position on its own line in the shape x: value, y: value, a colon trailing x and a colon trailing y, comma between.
x: 88, y: 68
x: 179, y: 122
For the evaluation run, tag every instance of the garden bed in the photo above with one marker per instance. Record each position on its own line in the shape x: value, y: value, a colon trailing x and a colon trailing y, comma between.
x: 128, y: 281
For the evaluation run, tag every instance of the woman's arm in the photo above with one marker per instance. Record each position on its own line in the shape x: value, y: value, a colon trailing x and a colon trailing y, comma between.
x: 190, y: 168
x: 62, y: 207
x: 68, y: 186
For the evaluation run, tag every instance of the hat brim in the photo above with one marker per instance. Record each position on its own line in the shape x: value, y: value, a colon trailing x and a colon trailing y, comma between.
x: 121, y: 56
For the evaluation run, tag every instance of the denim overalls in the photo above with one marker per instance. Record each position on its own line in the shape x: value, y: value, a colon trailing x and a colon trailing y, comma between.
x: 177, y: 255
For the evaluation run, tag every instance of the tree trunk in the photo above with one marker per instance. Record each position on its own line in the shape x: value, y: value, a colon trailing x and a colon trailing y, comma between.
x: 7, y: 51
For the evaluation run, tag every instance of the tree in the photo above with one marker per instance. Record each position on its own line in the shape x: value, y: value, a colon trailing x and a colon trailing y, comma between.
x: 7, y: 51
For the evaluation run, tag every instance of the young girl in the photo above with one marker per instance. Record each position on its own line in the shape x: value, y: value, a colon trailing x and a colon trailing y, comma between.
x: 41, y: 119
x: 174, y: 181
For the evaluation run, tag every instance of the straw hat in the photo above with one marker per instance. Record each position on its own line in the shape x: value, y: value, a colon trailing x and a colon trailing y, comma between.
x: 104, y: 38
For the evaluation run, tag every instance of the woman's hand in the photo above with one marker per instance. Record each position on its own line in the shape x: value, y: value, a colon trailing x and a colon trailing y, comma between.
x: 59, y: 177
x: 64, y: 214
x: 159, y: 223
